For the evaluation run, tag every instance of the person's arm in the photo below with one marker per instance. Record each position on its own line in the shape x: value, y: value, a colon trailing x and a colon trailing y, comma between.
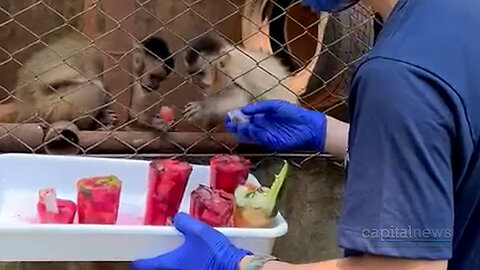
x: 282, y: 126
x: 355, y: 263
x: 336, y: 137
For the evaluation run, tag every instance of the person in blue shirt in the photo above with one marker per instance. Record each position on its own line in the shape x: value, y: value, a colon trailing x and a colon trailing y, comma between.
x: 412, y: 192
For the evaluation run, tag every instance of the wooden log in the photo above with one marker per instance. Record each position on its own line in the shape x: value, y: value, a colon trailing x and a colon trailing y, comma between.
x: 148, y: 142
x: 24, y: 138
x: 31, y: 138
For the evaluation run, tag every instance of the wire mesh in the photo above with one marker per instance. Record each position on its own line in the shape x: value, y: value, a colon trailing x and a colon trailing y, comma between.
x: 47, y: 76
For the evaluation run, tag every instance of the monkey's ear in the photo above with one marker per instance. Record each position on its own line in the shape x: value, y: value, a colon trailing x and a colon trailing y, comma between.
x: 138, y: 61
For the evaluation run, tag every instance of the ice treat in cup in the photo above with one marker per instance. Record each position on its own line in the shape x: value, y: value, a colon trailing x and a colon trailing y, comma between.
x: 237, y: 117
x: 52, y: 210
x: 255, y: 204
x: 98, y: 199
x: 227, y: 172
x: 167, y: 180
x: 214, y: 207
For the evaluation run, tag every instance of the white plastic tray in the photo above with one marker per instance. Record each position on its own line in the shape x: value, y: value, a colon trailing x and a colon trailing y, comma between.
x: 22, y: 175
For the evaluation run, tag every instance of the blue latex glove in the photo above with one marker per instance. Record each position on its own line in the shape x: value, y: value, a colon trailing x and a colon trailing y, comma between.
x: 204, y: 248
x: 329, y: 5
x: 280, y: 126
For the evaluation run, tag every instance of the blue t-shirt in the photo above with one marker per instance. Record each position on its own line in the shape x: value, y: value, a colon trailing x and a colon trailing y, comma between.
x: 413, y: 163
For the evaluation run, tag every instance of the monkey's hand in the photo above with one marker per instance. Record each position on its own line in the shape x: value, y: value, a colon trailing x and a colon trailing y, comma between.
x: 193, y: 110
x: 159, y: 124
x: 108, y: 118
x: 198, y: 112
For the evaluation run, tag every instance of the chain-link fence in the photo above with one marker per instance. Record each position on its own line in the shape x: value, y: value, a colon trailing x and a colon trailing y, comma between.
x: 64, y: 62
x: 73, y: 61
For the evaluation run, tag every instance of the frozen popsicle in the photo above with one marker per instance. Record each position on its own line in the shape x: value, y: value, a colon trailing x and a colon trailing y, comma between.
x: 237, y: 117
x: 255, y: 205
x: 167, y: 180
x: 98, y: 199
x: 53, y: 210
x: 227, y: 172
x: 214, y: 207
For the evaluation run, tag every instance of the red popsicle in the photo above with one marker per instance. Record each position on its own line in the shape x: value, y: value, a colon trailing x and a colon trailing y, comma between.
x: 98, y: 199
x: 212, y: 206
x: 227, y: 172
x: 167, y: 114
x: 167, y: 180
x: 53, y: 210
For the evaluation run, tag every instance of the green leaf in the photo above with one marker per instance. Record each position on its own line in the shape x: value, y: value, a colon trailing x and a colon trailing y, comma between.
x: 275, y: 188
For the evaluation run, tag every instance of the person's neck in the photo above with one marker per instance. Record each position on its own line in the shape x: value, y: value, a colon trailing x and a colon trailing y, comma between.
x: 383, y: 7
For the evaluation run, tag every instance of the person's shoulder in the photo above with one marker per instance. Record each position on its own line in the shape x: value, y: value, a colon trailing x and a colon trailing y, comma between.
x: 378, y: 66
x: 390, y: 73
x: 393, y: 87
x: 412, y: 35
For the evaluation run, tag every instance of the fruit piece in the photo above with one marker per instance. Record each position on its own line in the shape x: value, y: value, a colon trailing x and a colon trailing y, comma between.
x: 228, y: 171
x: 98, y: 199
x: 214, y: 207
x: 167, y: 114
x: 255, y: 205
x: 53, y: 210
x: 167, y: 180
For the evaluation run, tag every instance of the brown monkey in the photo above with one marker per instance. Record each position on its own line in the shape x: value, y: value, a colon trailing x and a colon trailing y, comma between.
x: 152, y: 63
x: 232, y: 77
x: 62, y: 81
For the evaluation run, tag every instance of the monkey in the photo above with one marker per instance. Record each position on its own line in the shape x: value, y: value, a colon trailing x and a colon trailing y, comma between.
x: 62, y: 81
x: 231, y: 77
x: 152, y: 63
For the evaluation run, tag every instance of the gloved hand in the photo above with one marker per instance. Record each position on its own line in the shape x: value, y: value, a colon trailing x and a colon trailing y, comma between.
x: 204, y: 249
x: 281, y: 126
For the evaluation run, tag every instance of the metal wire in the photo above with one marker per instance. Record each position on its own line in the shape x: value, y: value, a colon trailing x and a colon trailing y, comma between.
x: 26, y: 26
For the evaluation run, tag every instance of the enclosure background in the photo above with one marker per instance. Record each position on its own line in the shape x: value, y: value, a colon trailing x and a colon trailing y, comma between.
x: 311, y: 200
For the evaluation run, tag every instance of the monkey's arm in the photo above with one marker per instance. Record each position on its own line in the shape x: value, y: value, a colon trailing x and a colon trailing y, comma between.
x: 142, y: 115
x: 8, y: 112
x: 153, y: 122
x: 212, y: 110
x: 144, y: 120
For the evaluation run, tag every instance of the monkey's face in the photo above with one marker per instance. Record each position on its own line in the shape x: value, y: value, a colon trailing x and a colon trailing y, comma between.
x: 153, y: 63
x: 149, y: 71
x: 202, y: 72
x: 209, y: 73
